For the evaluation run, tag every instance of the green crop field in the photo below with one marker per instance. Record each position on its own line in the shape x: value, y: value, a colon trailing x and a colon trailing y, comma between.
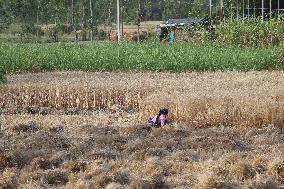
x: 21, y: 58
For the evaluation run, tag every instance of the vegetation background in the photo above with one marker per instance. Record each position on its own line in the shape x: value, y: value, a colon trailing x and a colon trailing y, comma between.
x: 28, y: 20
x: 64, y: 129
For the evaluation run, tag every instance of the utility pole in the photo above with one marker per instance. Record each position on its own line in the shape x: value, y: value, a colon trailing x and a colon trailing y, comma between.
x: 84, y: 34
x: 248, y: 9
x: 222, y: 10
x: 237, y: 10
x: 122, y: 20
x: 254, y: 16
x: 118, y: 21
x: 231, y: 12
x: 243, y: 9
x: 262, y: 9
x: 73, y: 21
x: 278, y: 9
x: 138, y: 22
x: 92, y: 21
x: 270, y: 9
x: 210, y: 8
x: 72, y: 9
x: 37, y: 19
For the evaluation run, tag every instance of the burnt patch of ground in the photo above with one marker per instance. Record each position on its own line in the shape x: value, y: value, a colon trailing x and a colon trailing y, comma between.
x: 34, y: 110
x: 89, y: 156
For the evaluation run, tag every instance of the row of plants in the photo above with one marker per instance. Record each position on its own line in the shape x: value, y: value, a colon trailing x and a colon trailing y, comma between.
x: 155, y: 57
x: 250, y: 32
x: 245, y: 32
x: 32, y: 33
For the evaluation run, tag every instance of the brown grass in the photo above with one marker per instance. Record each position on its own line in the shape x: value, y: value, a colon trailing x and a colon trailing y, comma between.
x: 201, y: 100
x: 139, y: 158
x: 41, y: 163
x: 225, y: 132
x: 276, y: 169
x: 5, y: 161
x: 8, y: 178
x: 75, y: 166
x: 209, y: 180
x: 102, y: 180
x: 243, y: 170
x: 114, y: 186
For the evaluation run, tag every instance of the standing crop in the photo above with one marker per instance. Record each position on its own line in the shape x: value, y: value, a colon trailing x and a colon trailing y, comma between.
x: 144, y: 57
x: 246, y: 33
x: 248, y: 99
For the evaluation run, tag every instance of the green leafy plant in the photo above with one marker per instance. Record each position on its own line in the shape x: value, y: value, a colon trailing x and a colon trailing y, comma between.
x: 152, y: 56
x: 245, y: 33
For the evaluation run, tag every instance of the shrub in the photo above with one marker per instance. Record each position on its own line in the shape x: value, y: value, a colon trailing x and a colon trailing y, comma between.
x: 102, y: 35
x: 238, y: 33
x: 3, y: 78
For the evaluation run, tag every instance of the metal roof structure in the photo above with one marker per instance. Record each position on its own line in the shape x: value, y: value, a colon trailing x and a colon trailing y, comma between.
x: 184, y: 23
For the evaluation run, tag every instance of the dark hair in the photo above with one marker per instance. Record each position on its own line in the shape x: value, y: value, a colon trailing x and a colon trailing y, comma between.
x: 164, y: 111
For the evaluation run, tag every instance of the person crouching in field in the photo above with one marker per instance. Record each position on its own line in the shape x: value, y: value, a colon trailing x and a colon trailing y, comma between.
x: 159, y: 120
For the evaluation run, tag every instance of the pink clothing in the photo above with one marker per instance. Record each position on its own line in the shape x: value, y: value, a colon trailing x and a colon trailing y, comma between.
x: 162, y: 119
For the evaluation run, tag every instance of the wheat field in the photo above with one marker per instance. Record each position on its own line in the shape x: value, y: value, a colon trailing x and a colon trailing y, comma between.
x: 249, y: 99
x: 87, y: 130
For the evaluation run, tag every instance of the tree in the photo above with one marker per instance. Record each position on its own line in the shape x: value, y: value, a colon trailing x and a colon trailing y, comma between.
x: 3, y: 78
x: 5, y: 15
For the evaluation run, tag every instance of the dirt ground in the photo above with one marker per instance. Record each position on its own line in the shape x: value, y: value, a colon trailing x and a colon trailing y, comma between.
x: 55, y: 147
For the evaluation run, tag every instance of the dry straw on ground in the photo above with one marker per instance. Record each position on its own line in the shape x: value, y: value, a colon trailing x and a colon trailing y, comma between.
x: 51, y: 135
x: 198, y: 99
x: 63, y: 153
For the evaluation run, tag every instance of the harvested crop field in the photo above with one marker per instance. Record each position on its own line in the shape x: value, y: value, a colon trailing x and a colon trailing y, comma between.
x: 87, y: 130
x: 248, y: 99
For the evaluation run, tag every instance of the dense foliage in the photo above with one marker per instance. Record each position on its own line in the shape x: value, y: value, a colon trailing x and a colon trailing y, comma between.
x: 136, y: 57
x: 74, y: 15
x: 255, y: 33
x: 2, y: 76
